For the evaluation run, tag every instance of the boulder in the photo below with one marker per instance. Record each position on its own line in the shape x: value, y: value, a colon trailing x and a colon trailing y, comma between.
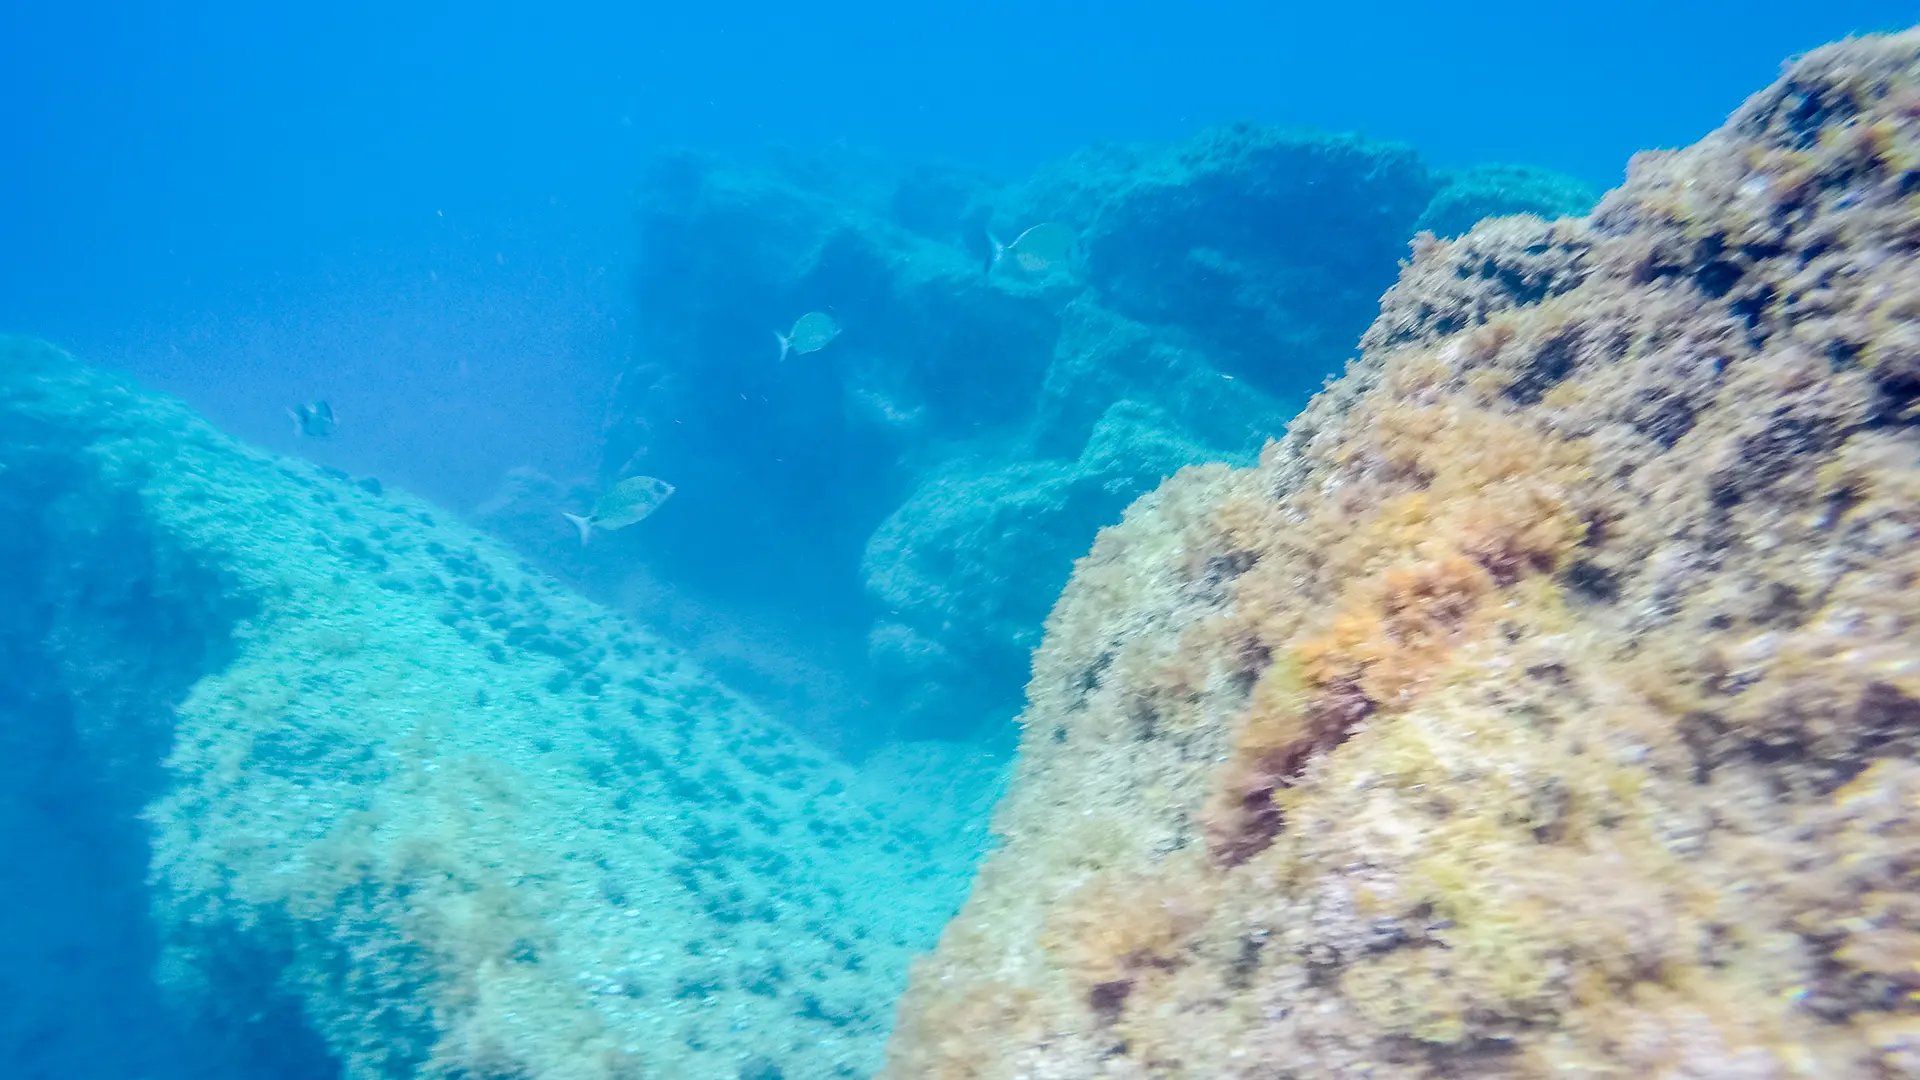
x: 1546, y: 703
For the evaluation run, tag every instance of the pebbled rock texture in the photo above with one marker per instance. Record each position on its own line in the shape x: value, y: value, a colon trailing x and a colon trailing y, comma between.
x: 1545, y: 703
x: 412, y: 809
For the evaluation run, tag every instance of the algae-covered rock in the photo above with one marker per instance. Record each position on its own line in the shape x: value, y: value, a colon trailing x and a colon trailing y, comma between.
x: 1546, y: 703
x: 415, y: 810
x: 1269, y: 247
x: 528, y: 511
x: 1102, y: 358
x: 1486, y: 191
x: 963, y: 569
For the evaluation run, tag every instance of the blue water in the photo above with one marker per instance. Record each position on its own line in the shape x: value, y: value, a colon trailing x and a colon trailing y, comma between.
x: 251, y: 206
x: 427, y: 216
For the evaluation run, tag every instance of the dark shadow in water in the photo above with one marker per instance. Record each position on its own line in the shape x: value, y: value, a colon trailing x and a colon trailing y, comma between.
x: 102, y: 630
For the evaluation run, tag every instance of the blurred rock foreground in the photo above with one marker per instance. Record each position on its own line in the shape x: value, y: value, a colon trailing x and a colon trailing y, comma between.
x: 1545, y: 704
x: 920, y: 487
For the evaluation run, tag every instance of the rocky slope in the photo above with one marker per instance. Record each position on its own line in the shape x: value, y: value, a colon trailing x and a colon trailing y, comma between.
x: 1546, y: 703
x: 415, y: 811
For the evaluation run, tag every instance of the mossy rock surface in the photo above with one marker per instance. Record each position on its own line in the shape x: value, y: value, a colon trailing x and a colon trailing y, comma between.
x: 1546, y: 703
x: 410, y: 799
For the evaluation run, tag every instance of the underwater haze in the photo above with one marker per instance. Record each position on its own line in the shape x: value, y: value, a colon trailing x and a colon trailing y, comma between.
x: 529, y: 531
x: 422, y: 211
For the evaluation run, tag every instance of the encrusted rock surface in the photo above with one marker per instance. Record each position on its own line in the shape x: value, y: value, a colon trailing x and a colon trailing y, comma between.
x: 415, y: 810
x: 1545, y: 703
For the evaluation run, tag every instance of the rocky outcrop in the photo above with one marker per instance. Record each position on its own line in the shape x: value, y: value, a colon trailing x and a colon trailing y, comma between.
x: 1217, y: 280
x: 964, y: 570
x: 415, y: 810
x: 1546, y: 703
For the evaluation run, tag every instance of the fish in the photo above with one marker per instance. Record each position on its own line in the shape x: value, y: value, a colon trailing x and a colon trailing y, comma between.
x: 624, y: 503
x: 1038, y: 250
x: 315, y: 420
x: 811, y: 333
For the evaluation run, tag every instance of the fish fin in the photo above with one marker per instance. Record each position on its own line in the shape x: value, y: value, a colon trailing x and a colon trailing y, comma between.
x: 298, y: 428
x: 786, y: 344
x: 584, y: 524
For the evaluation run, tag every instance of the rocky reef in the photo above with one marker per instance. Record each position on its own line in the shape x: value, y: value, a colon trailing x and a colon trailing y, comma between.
x: 414, y: 810
x: 1545, y: 703
x: 1217, y: 282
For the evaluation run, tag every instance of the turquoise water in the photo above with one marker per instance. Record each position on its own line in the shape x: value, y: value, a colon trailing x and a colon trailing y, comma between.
x: 338, y: 753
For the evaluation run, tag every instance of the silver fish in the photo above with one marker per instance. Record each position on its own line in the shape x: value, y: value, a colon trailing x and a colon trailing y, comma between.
x: 624, y: 503
x: 811, y: 333
x: 1038, y: 250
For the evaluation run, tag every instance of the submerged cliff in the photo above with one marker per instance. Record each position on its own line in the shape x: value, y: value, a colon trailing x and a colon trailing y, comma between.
x: 1545, y: 703
x: 414, y: 810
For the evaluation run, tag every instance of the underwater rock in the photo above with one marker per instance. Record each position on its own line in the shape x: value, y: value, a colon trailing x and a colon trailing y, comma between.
x: 414, y: 809
x: 957, y: 571
x: 1102, y: 358
x: 785, y: 467
x: 1223, y: 278
x: 963, y: 570
x: 1485, y: 191
x: 1269, y: 248
x: 1546, y: 703
x: 528, y: 510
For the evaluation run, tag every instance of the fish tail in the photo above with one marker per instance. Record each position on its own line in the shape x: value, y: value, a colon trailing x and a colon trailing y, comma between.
x: 584, y: 524
x: 999, y: 250
x: 298, y: 427
x: 786, y: 344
